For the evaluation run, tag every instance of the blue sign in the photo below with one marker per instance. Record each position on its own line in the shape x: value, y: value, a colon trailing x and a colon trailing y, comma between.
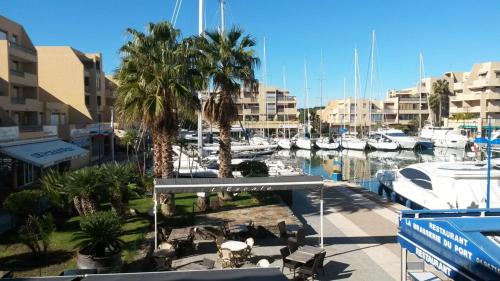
x: 457, y: 246
x: 343, y: 130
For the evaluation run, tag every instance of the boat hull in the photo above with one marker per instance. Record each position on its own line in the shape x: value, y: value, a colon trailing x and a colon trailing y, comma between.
x: 304, y: 144
x: 354, y: 144
x: 388, y: 146
x: 327, y: 146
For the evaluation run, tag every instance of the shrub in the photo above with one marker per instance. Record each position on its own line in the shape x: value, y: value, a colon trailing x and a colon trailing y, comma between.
x: 100, y: 234
x: 25, y: 203
x: 35, y: 233
x: 253, y: 169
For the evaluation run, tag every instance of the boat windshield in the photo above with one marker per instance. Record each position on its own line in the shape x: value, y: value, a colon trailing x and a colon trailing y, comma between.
x: 396, y: 134
x: 417, y: 177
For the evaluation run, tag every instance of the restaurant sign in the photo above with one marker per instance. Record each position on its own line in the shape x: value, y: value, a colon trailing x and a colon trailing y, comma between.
x: 449, y: 250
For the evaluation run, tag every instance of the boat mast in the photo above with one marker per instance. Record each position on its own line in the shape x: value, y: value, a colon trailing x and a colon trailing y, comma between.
x: 419, y: 88
x: 321, y: 94
x: 306, y: 111
x: 264, y: 65
x: 200, y: 113
x: 371, y: 83
x: 355, y: 89
x: 343, y: 119
x: 422, y: 74
x: 222, y: 20
x: 285, y: 118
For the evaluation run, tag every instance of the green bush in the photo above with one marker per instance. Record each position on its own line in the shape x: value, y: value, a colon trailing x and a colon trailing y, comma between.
x: 35, y: 233
x: 100, y: 234
x: 25, y: 203
x: 253, y: 169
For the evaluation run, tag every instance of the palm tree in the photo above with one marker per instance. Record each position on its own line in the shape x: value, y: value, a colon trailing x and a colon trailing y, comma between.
x: 157, y: 83
x: 230, y: 63
x: 439, y: 101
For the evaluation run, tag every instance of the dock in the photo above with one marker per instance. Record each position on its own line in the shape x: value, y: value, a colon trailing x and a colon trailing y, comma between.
x: 359, y: 231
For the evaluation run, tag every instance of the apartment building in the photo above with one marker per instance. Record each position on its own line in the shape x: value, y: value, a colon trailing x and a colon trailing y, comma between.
x: 75, y: 78
x: 412, y: 103
x: 29, y: 140
x: 476, y: 93
x: 271, y: 111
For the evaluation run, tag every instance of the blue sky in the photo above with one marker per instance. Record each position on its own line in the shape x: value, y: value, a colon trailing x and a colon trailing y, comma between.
x: 451, y: 34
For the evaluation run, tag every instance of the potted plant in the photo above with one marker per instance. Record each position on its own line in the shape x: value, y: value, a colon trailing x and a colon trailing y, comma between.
x: 100, y: 246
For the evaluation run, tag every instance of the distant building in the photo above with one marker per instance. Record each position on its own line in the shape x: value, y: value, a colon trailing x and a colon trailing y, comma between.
x: 270, y: 111
x: 477, y: 94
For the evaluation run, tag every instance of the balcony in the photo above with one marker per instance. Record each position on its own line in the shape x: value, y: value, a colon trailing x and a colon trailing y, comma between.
x: 479, y: 83
x: 9, y: 133
x: 18, y: 100
x: 22, y: 52
x: 247, y: 100
x: 286, y: 99
x: 493, y: 108
x: 458, y: 86
x: 23, y: 78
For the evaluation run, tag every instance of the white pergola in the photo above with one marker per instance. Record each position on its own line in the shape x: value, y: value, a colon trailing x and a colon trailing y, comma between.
x: 175, y: 185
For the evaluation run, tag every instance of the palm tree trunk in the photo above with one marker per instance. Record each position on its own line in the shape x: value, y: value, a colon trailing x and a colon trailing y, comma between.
x: 225, y: 157
x: 78, y: 205
x: 157, y: 159
x: 117, y: 202
x: 167, y: 170
x: 88, y: 205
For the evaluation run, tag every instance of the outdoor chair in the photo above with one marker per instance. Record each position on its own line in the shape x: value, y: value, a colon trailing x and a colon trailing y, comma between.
x: 291, y: 265
x: 309, y: 270
x: 227, y: 259
x: 250, y: 242
x: 292, y: 246
x: 282, y: 229
x: 208, y: 263
x: 300, y: 237
x: 218, y: 241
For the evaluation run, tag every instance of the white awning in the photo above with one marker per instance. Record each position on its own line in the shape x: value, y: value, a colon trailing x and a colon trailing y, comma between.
x: 43, y: 153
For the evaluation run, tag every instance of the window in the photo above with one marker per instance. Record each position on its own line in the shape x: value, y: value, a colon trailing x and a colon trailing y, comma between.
x: 54, y: 119
x: 15, y: 92
x: 483, y: 74
x: 14, y: 38
x: 86, y: 81
x: 87, y: 100
x: 98, y: 83
x: 417, y: 177
x: 62, y: 119
x: 3, y: 35
x: 16, y: 65
x: 98, y: 100
x: 497, y: 74
x: 98, y: 65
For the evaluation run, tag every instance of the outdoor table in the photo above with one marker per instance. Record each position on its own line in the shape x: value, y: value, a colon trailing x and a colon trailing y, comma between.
x: 304, y: 254
x: 310, y: 250
x: 300, y: 257
x: 179, y: 234
x: 234, y: 246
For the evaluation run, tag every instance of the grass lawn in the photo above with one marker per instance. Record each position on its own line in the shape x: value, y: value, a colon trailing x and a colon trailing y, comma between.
x: 62, y: 250
x: 61, y: 256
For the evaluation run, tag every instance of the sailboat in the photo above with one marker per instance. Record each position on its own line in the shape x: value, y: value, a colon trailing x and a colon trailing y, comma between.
x: 285, y: 142
x: 376, y: 140
x: 351, y: 140
x: 324, y: 142
x: 304, y: 142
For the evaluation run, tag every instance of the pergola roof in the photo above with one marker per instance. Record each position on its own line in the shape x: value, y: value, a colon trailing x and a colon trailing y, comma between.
x: 237, y: 184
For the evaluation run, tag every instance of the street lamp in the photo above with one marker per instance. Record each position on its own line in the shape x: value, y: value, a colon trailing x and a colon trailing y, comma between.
x: 488, y: 141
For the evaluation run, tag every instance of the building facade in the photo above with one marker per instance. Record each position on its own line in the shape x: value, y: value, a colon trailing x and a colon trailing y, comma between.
x: 29, y: 124
x: 270, y: 111
x: 475, y: 97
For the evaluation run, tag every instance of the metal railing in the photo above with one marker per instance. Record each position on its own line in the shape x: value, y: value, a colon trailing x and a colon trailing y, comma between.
x: 18, y: 100
x: 22, y: 48
x: 17, y: 72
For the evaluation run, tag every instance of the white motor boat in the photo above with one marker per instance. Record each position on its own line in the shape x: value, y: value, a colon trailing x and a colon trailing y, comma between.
x: 303, y: 153
x: 444, y: 137
x: 327, y: 144
x: 380, y: 142
x: 494, y: 147
x: 350, y: 141
x: 398, y: 136
x: 304, y: 143
x: 443, y: 185
x: 284, y: 143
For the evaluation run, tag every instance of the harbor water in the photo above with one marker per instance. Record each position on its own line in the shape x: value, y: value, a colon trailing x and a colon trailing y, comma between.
x: 361, y: 166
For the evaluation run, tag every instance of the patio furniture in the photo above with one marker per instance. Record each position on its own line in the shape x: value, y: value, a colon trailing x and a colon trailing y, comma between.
x: 226, y: 258
x: 311, y: 270
x: 250, y: 242
x: 238, y: 250
x: 299, y: 238
x: 291, y: 265
x: 180, y: 234
x: 263, y: 263
x: 292, y: 246
x: 282, y: 229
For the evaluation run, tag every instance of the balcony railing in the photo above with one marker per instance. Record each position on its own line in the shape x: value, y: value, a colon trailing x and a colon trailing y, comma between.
x: 22, y: 48
x: 30, y: 128
x: 17, y: 72
x: 18, y: 100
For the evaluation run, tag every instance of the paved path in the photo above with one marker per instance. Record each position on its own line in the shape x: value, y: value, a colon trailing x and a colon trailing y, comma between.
x: 359, y: 232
